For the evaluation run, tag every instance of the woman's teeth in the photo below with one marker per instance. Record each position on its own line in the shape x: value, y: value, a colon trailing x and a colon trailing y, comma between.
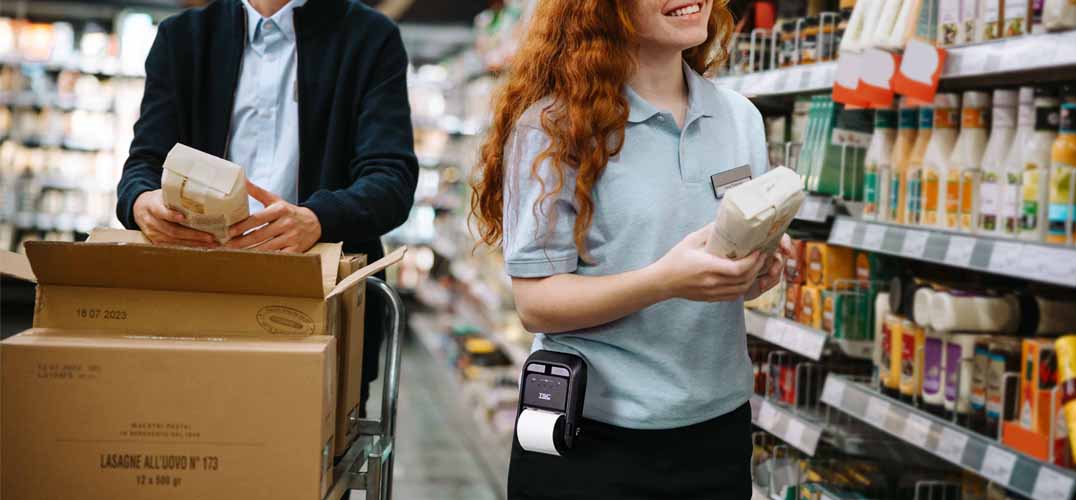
x: 685, y: 11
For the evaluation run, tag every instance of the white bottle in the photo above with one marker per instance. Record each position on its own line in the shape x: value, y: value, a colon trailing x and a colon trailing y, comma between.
x: 964, y: 169
x: 887, y: 19
x: 1014, y: 164
x: 853, y: 34
x: 878, y: 166
x: 870, y: 23
x: 1036, y: 161
x: 899, y: 37
x: 881, y: 310
x: 936, y: 160
x: 1002, y: 131
x: 968, y: 312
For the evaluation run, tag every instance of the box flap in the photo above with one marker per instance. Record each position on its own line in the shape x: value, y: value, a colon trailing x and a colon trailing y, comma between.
x: 330, y: 263
x: 146, y: 267
x: 217, y: 173
x: 134, y: 340
x: 357, y: 276
x: 16, y: 266
x: 110, y: 235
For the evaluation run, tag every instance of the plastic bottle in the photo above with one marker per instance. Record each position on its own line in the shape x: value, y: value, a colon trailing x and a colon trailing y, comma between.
x: 959, y: 351
x: 1014, y: 165
x: 887, y: 20
x: 1062, y: 179
x: 942, y: 140
x: 870, y: 23
x: 853, y: 34
x: 1003, y: 128
x: 909, y: 10
x: 902, y: 153
x: 1036, y: 179
x: 877, y: 164
x: 964, y: 169
x: 955, y: 310
x: 881, y: 342
x: 934, y: 371
x: 914, y: 177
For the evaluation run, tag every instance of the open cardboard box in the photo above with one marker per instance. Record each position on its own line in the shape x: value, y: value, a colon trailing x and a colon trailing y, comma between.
x: 102, y: 415
x: 118, y: 282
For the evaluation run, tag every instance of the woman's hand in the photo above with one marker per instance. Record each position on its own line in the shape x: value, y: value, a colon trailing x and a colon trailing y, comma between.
x: 689, y: 272
x: 775, y: 266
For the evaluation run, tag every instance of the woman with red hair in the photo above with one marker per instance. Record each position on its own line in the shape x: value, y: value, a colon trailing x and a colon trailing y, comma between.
x: 598, y: 179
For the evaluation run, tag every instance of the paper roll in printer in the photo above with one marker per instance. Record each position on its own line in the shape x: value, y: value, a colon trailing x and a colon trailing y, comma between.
x: 552, y: 388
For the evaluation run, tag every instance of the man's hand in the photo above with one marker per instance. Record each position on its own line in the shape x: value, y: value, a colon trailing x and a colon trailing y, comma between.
x: 281, y: 226
x: 161, y: 226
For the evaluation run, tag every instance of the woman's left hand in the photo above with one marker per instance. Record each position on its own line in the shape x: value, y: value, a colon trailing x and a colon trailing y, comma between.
x: 774, y: 266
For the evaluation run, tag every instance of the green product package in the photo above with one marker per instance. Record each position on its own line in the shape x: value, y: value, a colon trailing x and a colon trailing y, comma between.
x: 849, y: 133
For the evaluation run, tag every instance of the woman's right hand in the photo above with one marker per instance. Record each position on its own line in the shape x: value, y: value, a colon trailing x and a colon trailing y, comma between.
x: 161, y: 226
x: 688, y: 271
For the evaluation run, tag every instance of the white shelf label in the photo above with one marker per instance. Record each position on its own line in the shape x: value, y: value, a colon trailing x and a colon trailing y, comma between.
x: 998, y: 465
x: 952, y: 445
x: 794, y: 435
x: 1051, y: 484
x: 959, y: 252
x: 874, y: 237
x: 916, y: 430
x: 842, y: 232
x: 1057, y: 265
x: 767, y: 416
x: 915, y: 243
x: 1004, y: 256
x: 877, y: 411
x: 833, y: 392
x: 812, y: 345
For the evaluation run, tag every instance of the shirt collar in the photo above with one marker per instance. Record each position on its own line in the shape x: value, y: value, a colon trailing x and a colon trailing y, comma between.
x: 284, y: 19
x: 700, y: 99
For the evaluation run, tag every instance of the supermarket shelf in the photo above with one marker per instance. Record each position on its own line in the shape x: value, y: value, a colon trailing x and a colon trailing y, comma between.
x: 29, y: 99
x: 801, y: 339
x: 962, y: 447
x: 797, y: 431
x: 108, y: 68
x: 1014, y: 55
x: 816, y: 208
x: 1020, y: 259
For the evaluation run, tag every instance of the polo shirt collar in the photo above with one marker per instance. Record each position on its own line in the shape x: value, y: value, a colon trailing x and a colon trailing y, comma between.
x: 700, y: 99
x: 284, y: 19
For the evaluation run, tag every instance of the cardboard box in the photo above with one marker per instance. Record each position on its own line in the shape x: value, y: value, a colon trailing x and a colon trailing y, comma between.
x: 102, y: 416
x: 111, y: 284
x: 828, y: 264
x: 1038, y: 379
x: 811, y: 306
x: 349, y: 350
x: 210, y: 192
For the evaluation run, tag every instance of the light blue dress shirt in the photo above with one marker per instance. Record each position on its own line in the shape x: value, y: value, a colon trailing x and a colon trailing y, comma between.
x: 675, y: 363
x: 264, y: 138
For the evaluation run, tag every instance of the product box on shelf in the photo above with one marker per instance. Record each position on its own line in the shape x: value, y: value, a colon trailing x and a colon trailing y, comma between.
x: 1040, y: 412
x: 795, y: 270
x: 811, y: 306
x: 792, y: 302
x: 210, y: 192
x: 827, y: 264
x: 101, y: 415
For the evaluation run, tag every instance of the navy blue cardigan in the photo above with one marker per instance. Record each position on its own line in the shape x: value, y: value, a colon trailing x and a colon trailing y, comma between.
x: 357, y: 167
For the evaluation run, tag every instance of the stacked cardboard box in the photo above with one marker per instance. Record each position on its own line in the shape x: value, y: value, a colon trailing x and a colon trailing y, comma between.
x: 162, y: 372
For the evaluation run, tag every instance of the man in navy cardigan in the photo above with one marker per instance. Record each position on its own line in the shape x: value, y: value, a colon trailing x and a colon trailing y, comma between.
x: 310, y: 97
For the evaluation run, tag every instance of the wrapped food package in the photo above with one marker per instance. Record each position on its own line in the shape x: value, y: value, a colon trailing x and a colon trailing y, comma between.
x: 210, y: 192
x: 755, y: 214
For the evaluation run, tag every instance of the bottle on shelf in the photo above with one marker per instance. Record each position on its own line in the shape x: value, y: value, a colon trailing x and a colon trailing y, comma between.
x: 877, y: 164
x: 887, y: 20
x: 852, y: 40
x: 1012, y: 196
x: 902, y: 152
x: 914, y: 178
x: 1058, y: 15
x: 1063, y: 179
x: 964, y: 169
x: 933, y: 393
x: 1036, y: 176
x: 1003, y: 128
x: 936, y: 159
x: 988, y: 23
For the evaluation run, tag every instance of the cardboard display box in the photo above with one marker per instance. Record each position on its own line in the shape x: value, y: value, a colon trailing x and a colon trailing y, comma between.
x: 349, y: 351
x: 210, y: 192
x: 101, y: 416
x: 112, y: 284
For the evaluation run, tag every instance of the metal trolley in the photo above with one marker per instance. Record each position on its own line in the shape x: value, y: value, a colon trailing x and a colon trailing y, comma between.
x: 374, y: 448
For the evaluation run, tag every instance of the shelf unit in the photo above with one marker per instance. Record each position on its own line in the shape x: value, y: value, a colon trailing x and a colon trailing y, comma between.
x: 1027, y: 260
x: 801, y: 339
x: 957, y: 445
x: 1029, y: 53
x: 799, y: 432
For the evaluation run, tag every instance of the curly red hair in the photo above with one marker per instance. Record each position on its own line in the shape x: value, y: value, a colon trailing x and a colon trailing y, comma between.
x: 580, y: 54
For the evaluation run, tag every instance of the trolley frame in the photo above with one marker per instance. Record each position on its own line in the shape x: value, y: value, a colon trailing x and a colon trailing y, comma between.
x: 374, y: 448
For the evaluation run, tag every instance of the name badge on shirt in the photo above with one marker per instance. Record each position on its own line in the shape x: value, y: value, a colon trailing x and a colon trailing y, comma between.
x: 729, y: 179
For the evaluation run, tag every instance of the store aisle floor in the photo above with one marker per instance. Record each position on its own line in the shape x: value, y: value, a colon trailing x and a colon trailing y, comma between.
x: 438, y: 455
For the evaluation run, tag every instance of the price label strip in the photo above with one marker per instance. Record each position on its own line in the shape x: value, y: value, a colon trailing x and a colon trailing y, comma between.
x: 997, y: 465
x: 842, y: 232
x: 959, y: 251
x: 794, y: 435
x: 877, y: 412
x: 1004, y: 256
x: 767, y: 416
x: 952, y: 445
x: 833, y: 392
x: 916, y: 430
x: 1051, y: 484
x: 874, y: 237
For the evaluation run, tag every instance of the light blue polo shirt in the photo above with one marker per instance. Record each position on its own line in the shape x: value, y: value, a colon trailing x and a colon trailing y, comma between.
x: 679, y: 362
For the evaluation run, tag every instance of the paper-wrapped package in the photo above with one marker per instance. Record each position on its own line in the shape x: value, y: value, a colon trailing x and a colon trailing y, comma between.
x: 210, y: 192
x: 755, y: 214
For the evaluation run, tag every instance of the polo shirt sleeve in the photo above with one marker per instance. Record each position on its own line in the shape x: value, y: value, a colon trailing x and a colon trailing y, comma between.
x: 538, y: 231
